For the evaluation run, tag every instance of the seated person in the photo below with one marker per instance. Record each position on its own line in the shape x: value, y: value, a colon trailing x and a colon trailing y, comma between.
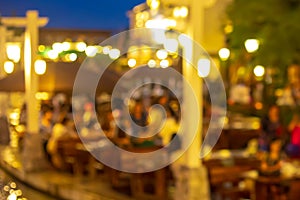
x: 293, y: 148
x: 170, y: 127
x: 62, y: 129
x: 272, y: 162
x: 271, y: 126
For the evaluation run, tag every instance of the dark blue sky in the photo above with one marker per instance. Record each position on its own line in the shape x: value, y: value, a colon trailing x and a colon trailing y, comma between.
x: 88, y: 14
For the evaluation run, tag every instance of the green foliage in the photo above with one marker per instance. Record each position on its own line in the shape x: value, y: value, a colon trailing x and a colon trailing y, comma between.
x: 274, y: 22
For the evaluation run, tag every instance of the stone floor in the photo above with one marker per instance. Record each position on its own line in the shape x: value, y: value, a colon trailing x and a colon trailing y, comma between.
x: 63, y: 185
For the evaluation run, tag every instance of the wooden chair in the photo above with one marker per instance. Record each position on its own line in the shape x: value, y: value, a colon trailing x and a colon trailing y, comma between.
x: 70, y: 155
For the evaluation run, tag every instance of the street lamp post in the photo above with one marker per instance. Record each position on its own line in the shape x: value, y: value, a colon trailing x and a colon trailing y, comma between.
x: 3, y: 97
x: 32, y: 151
x: 188, y: 17
x: 2, y: 50
x: 198, y: 183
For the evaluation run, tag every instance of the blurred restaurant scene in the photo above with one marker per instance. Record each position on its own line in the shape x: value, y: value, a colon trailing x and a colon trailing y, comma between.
x: 193, y: 100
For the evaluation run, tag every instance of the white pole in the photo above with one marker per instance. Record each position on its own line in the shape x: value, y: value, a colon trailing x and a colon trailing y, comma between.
x: 31, y: 79
x: 3, y: 96
x: 193, y: 182
x: 195, y: 32
x: 2, y: 49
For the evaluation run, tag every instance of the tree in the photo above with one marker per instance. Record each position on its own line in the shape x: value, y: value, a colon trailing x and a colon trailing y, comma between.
x: 275, y: 23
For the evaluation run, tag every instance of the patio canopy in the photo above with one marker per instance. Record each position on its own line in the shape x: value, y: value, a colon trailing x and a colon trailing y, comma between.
x: 59, y: 77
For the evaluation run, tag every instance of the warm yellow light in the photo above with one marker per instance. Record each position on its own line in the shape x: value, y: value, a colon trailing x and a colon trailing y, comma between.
x: 42, y: 95
x: 99, y: 48
x: 241, y: 71
x: 40, y: 67
x: 131, y: 62
x: 203, y: 67
x: 176, y: 12
x: 133, y: 48
x: 162, y: 54
x: 13, y: 52
x: 184, y: 11
x: 225, y: 153
x: 41, y: 48
x: 139, y: 23
x: 180, y: 12
x: 224, y: 54
x: 252, y: 45
x: 72, y: 57
x: 81, y: 46
x: 228, y: 28
x: 66, y: 46
x: 279, y: 92
x: 114, y: 53
x: 164, y: 63
x: 106, y: 50
x: 161, y: 23
x: 151, y: 63
x: 258, y: 105
x: 153, y: 4
x: 259, y: 71
x: 52, y: 54
x: 14, y: 115
x: 9, y: 67
x: 145, y: 15
x: 91, y: 51
x: 58, y: 47
x: 138, y: 16
x: 12, y: 196
x: 146, y: 52
x: 171, y: 45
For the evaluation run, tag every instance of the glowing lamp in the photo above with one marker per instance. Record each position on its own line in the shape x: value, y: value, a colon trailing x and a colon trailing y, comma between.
x: 9, y: 67
x: 40, y: 67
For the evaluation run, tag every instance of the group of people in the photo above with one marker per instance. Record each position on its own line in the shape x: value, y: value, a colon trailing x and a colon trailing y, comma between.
x: 148, y: 123
x: 159, y: 121
x: 278, y: 140
x: 153, y: 124
x: 53, y: 129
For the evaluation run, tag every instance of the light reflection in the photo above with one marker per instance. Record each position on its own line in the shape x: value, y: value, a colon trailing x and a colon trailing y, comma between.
x: 13, y: 185
x: 6, y: 188
x: 12, y: 196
